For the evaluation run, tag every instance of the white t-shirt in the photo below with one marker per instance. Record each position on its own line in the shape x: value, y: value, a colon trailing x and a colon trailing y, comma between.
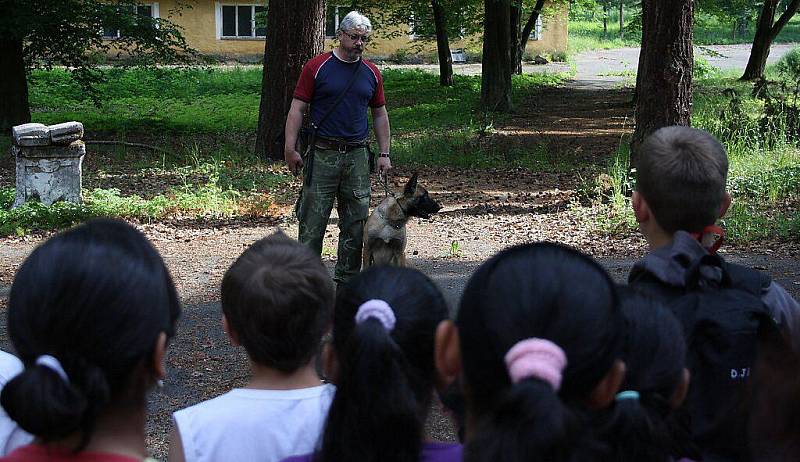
x: 246, y: 424
x: 11, y: 436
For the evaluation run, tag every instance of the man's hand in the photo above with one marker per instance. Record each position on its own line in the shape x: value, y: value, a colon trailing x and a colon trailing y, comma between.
x: 384, y: 165
x: 293, y: 160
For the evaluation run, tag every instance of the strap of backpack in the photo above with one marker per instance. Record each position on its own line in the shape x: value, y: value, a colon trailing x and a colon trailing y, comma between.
x: 312, y: 139
x: 751, y: 280
x: 315, y: 127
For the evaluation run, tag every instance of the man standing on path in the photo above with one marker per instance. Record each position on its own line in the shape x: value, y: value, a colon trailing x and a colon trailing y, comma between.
x: 339, y: 86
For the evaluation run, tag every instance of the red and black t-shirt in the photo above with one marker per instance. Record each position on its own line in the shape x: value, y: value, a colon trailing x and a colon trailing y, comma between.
x: 324, y: 78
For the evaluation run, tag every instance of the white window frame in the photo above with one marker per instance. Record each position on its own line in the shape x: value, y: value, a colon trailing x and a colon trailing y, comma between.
x: 154, y: 13
x: 336, y: 20
x: 536, y: 33
x: 252, y: 36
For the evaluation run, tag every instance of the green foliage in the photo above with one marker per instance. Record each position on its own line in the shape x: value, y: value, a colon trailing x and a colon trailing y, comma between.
x: 702, y: 68
x: 70, y: 33
x: 788, y: 66
x: 711, y: 26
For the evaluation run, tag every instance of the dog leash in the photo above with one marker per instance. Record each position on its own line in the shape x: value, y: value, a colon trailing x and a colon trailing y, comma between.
x: 385, y: 180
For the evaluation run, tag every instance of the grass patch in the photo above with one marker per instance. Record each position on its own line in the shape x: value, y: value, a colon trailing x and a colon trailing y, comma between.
x: 587, y: 35
x: 205, y: 118
x: 764, y: 166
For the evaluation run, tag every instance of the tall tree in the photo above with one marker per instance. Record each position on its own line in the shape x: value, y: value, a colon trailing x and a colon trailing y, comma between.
x: 295, y: 34
x: 766, y: 32
x: 520, y: 38
x: 497, y: 64
x: 34, y: 33
x: 664, y: 80
x: 442, y: 44
x: 429, y: 20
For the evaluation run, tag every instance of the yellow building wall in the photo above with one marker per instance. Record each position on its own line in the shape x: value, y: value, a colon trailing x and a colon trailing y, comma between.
x: 198, y: 19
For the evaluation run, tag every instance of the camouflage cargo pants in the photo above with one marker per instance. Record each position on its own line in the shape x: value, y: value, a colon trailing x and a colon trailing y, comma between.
x: 344, y: 178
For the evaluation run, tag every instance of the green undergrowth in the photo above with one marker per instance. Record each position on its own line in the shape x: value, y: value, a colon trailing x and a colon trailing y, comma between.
x: 220, y: 185
x: 764, y: 163
x: 585, y: 35
x: 201, y: 122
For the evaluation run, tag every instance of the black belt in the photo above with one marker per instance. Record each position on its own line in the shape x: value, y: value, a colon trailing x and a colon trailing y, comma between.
x: 335, y: 145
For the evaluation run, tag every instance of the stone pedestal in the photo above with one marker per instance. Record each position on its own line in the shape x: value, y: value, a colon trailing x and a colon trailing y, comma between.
x: 49, y: 173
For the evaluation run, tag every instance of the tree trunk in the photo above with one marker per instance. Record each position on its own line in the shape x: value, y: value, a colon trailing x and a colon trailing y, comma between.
x: 14, y: 109
x: 496, y: 72
x: 606, y: 11
x: 442, y: 45
x: 664, y: 93
x: 621, y: 20
x: 515, y: 21
x: 642, y: 52
x: 530, y: 24
x: 295, y: 31
x: 765, y: 34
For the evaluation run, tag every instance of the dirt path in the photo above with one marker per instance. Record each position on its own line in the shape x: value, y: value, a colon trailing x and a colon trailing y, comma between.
x: 484, y: 211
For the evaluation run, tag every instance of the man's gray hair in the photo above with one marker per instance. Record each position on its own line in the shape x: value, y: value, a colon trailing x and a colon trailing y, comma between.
x: 355, y: 20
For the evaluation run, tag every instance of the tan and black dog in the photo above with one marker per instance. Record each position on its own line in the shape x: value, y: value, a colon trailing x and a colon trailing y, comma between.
x: 385, y: 230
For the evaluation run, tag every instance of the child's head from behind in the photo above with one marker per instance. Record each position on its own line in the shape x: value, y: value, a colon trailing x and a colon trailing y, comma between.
x: 277, y: 299
x: 384, y: 326
x: 681, y: 173
x: 639, y: 426
x: 540, y: 331
x: 90, y: 312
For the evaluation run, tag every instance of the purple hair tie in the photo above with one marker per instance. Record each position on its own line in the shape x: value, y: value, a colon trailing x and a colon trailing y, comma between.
x: 377, y: 309
x: 536, y: 357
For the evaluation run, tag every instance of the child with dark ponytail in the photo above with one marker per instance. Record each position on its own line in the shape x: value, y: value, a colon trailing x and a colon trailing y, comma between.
x: 90, y: 313
x: 382, y: 362
x: 641, y: 424
x: 539, y: 337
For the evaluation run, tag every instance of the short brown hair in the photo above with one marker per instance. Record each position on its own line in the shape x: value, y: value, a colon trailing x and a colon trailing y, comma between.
x: 681, y: 173
x: 278, y: 299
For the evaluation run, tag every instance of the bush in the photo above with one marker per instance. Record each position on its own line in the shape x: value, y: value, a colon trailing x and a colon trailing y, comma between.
x: 789, y: 66
x: 703, y: 69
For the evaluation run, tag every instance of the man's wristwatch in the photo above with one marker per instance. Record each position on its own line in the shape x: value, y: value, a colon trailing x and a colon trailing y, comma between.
x: 383, y: 154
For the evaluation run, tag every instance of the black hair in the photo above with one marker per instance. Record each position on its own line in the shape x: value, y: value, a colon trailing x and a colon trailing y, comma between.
x: 385, y: 379
x: 277, y: 298
x: 645, y: 428
x: 96, y: 298
x: 544, y: 291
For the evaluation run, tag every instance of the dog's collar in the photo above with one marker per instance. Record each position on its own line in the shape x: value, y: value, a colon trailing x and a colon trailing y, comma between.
x: 389, y: 222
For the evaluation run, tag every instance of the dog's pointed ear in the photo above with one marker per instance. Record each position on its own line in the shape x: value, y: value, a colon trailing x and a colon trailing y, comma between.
x: 411, y: 186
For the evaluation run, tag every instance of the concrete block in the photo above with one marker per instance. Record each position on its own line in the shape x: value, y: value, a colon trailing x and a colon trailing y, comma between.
x: 65, y: 133
x: 32, y: 134
x: 49, y: 173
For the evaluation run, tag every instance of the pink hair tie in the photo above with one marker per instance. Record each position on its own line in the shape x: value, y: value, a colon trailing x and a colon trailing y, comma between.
x: 536, y: 357
x: 377, y: 309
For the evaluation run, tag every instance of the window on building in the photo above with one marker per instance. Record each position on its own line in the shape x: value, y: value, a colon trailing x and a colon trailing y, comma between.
x: 334, y: 14
x: 149, y: 10
x: 536, y: 33
x: 244, y: 21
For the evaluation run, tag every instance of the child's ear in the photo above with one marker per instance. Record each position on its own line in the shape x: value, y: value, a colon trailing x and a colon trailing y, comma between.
x: 640, y: 208
x: 234, y: 338
x: 605, y: 391
x: 447, y: 354
x: 159, y: 355
x: 681, y: 390
x: 726, y: 202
